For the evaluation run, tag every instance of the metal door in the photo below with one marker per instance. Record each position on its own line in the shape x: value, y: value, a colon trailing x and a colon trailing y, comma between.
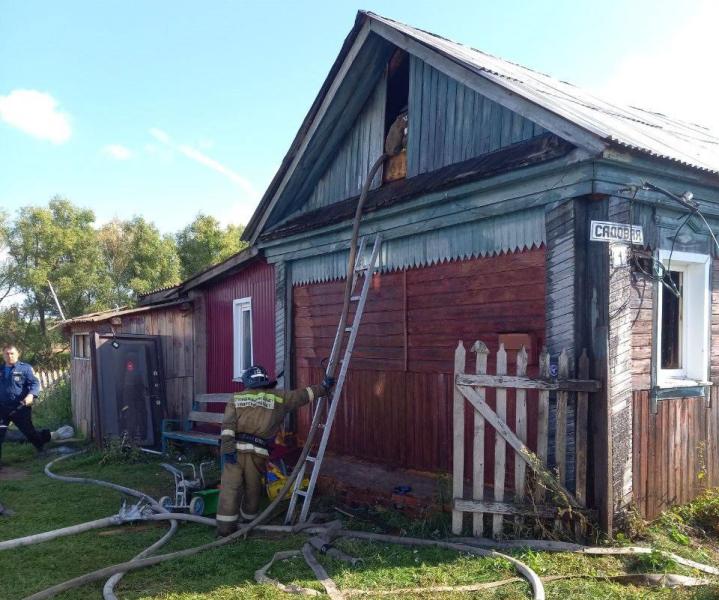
x: 129, y: 384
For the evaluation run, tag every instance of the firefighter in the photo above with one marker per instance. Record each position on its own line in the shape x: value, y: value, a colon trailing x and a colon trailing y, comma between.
x: 18, y: 389
x: 250, y: 424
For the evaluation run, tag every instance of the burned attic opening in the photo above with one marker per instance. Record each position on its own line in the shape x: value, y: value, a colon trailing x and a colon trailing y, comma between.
x: 396, y: 121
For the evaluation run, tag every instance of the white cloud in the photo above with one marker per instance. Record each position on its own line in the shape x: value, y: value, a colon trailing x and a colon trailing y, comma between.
x: 37, y: 114
x: 160, y: 135
x: 194, y: 154
x: 675, y: 76
x: 117, y: 152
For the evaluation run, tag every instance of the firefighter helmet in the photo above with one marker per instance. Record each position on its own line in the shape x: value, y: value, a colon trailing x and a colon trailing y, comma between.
x: 256, y: 377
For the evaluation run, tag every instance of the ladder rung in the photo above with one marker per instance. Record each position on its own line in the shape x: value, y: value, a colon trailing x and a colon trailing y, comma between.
x: 360, y: 269
x: 310, y: 459
x: 348, y: 329
x: 355, y: 298
x: 301, y: 493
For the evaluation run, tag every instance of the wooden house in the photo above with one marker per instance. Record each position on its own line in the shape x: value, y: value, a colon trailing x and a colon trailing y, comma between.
x: 485, y: 219
x: 151, y: 361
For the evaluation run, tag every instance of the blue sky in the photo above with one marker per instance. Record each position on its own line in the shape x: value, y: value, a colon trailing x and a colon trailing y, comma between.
x: 166, y: 108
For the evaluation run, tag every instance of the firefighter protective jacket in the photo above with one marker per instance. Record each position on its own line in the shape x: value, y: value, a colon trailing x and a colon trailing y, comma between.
x: 260, y: 413
x: 16, y: 384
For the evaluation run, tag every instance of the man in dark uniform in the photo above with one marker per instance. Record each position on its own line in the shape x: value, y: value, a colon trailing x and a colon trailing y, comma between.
x: 251, y: 422
x: 18, y: 389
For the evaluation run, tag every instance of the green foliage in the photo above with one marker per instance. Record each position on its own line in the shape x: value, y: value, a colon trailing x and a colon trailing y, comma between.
x: 138, y: 259
x: 121, y: 451
x: 703, y: 512
x: 655, y: 562
x: 204, y: 243
x: 56, y: 244
x: 53, y: 408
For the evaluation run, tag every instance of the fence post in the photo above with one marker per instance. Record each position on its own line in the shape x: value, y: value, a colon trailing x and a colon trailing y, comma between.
x: 500, y: 445
x: 542, y: 420
x: 560, y: 438
x: 458, y: 440
x: 520, y: 428
x: 482, y: 352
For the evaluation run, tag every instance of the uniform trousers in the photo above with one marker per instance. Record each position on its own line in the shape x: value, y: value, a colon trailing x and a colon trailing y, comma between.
x: 240, y: 491
x: 22, y: 418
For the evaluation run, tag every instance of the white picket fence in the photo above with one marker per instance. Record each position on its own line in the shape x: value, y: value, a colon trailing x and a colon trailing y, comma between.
x: 49, y: 379
x: 472, y: 388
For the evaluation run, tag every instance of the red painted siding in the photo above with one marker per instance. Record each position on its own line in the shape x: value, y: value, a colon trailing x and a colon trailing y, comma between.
x: 397, y: 404
x: 257, y: 282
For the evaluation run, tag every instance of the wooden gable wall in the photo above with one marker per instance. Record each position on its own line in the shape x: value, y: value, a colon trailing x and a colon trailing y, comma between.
x: 361, y: 147
x: 449, y: 122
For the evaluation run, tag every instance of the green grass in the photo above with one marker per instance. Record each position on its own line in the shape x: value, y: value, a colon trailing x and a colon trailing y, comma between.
x: 227, y: 573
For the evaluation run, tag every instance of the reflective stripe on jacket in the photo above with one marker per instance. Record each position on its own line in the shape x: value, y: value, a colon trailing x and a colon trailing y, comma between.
x: 260, y: 413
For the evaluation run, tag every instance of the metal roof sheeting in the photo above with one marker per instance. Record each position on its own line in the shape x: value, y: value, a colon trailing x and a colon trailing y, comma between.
x: 649, y: 132
x: 505, y: 233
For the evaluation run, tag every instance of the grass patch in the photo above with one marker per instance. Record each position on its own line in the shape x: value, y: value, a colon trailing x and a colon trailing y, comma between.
x: 227, y: 573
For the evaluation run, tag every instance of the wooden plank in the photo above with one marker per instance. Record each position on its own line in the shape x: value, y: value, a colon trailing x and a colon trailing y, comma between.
x: 460, y: 355
x: 542, y: 421
x: 581, y: 432
x: 478, y: 466
x: 522, y: 450
x: 560, y: 437
x: 205, y: 417
x: 205, y: 398
x: 500, y: 446
x: 520, y: 429
x: 509, y: 381
x: 503, y: 508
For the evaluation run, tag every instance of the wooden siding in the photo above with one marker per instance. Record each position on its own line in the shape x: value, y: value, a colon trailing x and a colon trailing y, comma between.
x: 361, y: 147
x: 81, y: 393
x: 449, y: 122
x: 521, y: 230
x: 641, y: 307
x: 561, y: 278
x: 619, y: 380
x: 396, y: 408
x: 256, y: 282
x: 174, y: 328
x: 675, y: 451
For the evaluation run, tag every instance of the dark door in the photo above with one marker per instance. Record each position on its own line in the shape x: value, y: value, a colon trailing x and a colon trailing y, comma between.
x: 129, y: 382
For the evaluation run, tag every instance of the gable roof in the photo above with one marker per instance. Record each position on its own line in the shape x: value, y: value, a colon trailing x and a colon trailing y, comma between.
x: 649, y: 132
x: 568, y: 111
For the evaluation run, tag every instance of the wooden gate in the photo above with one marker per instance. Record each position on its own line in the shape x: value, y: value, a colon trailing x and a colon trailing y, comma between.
x: 472, y: 388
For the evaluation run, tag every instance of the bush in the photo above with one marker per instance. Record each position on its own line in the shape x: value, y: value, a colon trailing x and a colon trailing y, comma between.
x: 54, y: 407
x: 121, y: 451
x: 702, y: 512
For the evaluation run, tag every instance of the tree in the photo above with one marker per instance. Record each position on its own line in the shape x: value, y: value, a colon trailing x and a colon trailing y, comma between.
x: 204, y: 243
x: 56, y: 244
x: 6, y: 265
x: 137, y: 258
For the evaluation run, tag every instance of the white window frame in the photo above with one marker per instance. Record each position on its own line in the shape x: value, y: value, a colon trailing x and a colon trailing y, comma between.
x: 75, y: 339
x: 239, y: 306
x: 696, y: 308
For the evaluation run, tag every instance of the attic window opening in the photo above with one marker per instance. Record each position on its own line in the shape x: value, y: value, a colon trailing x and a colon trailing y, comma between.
x: 396, y: 121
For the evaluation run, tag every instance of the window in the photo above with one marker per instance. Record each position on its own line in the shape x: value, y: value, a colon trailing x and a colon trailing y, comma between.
x: 683, y: 319
x: 81, y: 345
x: 242, y: 336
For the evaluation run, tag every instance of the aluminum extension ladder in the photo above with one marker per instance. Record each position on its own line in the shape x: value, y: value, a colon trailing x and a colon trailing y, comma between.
x: 315, y: 462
